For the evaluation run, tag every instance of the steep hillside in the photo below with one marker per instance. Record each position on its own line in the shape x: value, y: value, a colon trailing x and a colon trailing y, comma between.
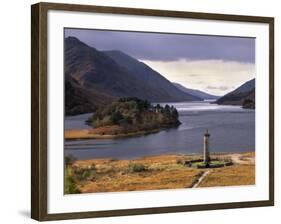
x: 244, y: 94
x: 79, y: 100
x: 162, y: 88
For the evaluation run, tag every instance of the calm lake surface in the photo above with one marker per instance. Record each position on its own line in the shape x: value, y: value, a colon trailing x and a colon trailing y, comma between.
x: 232, y: 129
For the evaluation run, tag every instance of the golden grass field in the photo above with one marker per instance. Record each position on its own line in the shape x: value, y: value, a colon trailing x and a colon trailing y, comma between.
x: 159, y: 172
x: 106, y: 132
x: 229, y: 176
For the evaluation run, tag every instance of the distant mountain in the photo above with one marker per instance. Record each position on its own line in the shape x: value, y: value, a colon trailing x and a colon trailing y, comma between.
x: 243, y: 95
x: 195, y: 92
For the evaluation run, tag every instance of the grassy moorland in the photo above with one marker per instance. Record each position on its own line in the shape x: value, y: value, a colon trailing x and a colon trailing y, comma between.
x: 155, y: 172
x: 127, y: 117
x: 242, y: 173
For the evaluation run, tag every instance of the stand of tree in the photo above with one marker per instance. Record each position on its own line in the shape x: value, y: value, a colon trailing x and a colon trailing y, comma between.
x: 132, y: 115
x: 248, y: 104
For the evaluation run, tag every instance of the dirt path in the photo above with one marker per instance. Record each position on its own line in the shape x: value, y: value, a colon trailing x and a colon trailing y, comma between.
x: 238, y: 159
x: 200, y: 179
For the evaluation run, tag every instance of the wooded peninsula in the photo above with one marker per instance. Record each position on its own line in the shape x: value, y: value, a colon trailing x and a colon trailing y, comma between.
x: 128, y: 116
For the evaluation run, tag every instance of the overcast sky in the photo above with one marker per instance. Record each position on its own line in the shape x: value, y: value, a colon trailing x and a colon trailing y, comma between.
x: 214, y: 64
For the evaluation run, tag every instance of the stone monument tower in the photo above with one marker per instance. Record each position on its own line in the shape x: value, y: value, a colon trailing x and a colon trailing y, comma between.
x: 206, y: 156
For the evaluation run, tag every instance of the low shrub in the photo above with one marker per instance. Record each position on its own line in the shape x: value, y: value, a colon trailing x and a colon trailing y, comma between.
x: 181, y: 162
x: 137, y: 167
x: 70, y: 186
x: 93, y: 167
x: 69, y: 160
x: 83, y: 174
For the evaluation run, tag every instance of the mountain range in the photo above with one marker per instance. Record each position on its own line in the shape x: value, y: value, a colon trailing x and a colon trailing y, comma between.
x: 95, y: 78
x: 240, y: 95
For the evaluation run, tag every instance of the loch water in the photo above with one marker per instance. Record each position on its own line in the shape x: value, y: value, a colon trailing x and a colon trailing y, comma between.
x: 232, y: 129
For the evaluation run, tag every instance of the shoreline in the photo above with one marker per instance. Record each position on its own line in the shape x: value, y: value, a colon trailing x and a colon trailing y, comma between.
x: 76, y: 134
x: 198, y: 155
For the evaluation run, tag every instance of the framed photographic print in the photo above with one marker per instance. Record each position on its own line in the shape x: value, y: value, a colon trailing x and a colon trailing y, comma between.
x: 139, y: 111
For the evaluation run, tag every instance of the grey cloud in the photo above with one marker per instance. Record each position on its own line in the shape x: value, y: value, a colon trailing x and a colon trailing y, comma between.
x: 169, y: 47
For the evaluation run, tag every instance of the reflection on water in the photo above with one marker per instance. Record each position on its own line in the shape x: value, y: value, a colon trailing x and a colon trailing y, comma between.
x: 77, y: 121
x: 232, y: 130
